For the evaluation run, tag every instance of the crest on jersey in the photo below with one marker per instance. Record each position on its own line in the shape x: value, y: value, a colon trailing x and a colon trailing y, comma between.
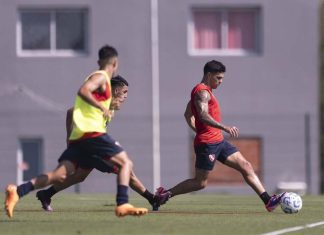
x: 211, y: 157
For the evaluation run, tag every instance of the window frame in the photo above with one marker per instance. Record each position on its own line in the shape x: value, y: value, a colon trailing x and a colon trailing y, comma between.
x: 223, y: 51
x: 53, y: 51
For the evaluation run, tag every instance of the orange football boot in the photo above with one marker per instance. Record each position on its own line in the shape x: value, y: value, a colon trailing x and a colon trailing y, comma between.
x: 11, y: 199
x: 128, y: 209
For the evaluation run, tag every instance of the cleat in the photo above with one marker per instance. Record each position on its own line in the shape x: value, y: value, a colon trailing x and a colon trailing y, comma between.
x: 11, y: 199
x: 155, y: 204
x: 162, y: 196
x: 46, y: 202
x: 160, y: 190
x: 128, y: 209
x: 274, y: 202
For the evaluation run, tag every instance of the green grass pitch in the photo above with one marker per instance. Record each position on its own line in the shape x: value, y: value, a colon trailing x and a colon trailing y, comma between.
x: 186, y: 214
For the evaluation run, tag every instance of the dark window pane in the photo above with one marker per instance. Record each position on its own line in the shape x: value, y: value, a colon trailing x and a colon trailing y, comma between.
x: 32, y: 157
x: 35, y: 30
x: 70, y: 30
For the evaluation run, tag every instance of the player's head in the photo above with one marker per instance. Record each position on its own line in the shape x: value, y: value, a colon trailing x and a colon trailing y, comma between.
x: 108, y: 58
x: 214, y: 73
x: 118, y: 81
x: 119, y: 87
x: 214, y: 66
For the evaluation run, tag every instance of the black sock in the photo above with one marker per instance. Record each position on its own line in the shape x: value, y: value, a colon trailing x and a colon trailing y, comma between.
x: 149, y: 196
x: 50, y: 192
x: 25, y: 188
x: 265, y: 197
x: 122, y: 195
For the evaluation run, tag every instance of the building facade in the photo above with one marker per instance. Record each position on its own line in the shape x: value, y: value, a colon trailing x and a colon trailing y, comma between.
x: 270, y: 91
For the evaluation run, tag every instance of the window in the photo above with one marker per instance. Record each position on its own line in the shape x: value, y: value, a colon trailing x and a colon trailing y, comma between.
x: 29, y: 159
x: 56, y: 32
x: 225, y: 31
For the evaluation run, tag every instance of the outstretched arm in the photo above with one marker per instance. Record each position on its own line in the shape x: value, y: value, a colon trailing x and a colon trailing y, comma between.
x: 201, y: 100
x: 190, y: 119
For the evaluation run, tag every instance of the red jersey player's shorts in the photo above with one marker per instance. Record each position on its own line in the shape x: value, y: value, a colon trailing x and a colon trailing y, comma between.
x: 93, y: 153
x: 207, y: 154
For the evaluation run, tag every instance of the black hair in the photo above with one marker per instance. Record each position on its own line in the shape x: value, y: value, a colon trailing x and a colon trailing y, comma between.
x: 106, y: 53
x: 118, y: 81
x: 214, y: 66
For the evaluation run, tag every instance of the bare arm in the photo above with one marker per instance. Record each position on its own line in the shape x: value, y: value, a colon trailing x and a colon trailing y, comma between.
x: 201, y: 103
x: 190, y: 117
x: 95, y: 82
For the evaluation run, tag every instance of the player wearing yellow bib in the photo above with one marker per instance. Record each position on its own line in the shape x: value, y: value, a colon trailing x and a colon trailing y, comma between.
x: 88, y: 140
x: 119, y: 94
x: 90, y: 113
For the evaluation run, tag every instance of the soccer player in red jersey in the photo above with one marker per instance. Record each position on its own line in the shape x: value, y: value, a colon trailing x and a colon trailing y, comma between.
x: 203, y: 115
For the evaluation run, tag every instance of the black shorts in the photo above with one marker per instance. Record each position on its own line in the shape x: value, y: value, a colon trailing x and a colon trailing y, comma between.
x: 93, y: 153
x: 207, y: 154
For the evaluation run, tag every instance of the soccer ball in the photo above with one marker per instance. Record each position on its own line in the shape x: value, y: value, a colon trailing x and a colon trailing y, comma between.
x: 291, y: 203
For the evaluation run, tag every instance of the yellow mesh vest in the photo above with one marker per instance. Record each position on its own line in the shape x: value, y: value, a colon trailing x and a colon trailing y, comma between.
x: 87, y: 118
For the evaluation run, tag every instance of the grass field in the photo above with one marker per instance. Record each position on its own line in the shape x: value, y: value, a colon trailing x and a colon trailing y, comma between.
x: 188, y: 214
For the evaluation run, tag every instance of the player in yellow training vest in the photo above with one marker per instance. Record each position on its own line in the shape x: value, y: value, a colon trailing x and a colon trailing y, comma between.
x: 88, y: 118
x: 119, y: 87
x: 88, y: 140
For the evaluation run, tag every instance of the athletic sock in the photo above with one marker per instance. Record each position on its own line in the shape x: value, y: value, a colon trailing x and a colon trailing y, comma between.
x: 25, y: 188
x: 148, y: 195
x: 265, y: 197
x: 122, y: 195
x: 50, y: 192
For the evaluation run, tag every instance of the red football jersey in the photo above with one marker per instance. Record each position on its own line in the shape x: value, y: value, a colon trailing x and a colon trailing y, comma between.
x: 206, y: 133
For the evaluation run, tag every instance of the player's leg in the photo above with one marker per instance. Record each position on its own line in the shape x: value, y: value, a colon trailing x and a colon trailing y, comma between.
x: 136, y: 184
x: 123, y: 177
x: 238, y: 162
x: 14, y: 193
x: 138, y: 187
x: 104, y: 165
x: 59, y: 175
x: 125, y: 167
x: 76, y: 155
x: 107, y: 148
x: 44, y: 196
x: 198, y: 182
x: 205, y: 161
